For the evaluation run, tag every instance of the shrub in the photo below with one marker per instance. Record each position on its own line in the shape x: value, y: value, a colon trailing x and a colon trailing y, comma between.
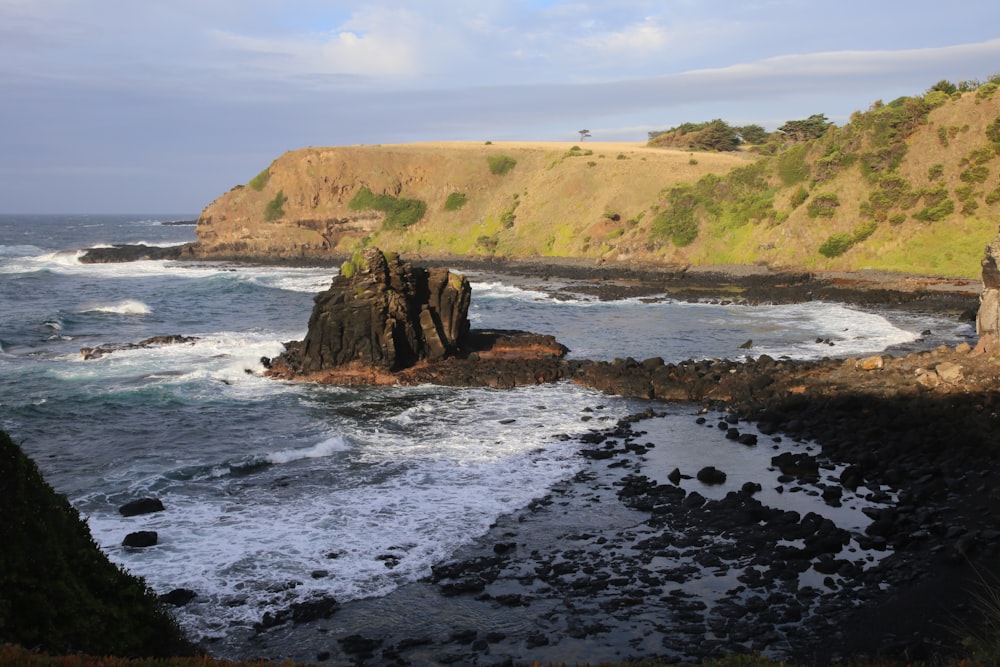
x: 677, y: 222
x: 500, y: 164
x: 936, y: 212
x: 935, y: 171
x: 975, y: 174
x: 897, y: 218
x: 260, y: 180
x: 348, y: 269
x: 993, y: 131
x: 399, y: 213
x: 983, y: 154
x: 792, y: 165
x: 275, y: 209
x: 993, y: 196
x: 836, y: 245
x: 823, y: 206
x: 455, y: 201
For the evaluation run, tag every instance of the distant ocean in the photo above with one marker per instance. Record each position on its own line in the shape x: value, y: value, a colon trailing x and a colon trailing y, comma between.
x: 276, y: 492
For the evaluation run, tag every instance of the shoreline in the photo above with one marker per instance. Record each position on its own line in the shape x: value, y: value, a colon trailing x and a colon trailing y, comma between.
x: 750, y: 284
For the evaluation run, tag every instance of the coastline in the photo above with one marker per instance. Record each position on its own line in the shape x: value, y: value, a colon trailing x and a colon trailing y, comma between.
x: 931, y: 445
x: 745, y: 283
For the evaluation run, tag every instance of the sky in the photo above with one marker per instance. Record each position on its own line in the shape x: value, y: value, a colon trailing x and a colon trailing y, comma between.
x: 136, y: 106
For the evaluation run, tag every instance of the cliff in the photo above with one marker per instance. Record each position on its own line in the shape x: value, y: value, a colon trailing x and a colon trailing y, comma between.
x: 912, y: 186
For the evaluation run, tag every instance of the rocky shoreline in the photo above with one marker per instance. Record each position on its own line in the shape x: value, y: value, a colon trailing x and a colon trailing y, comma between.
x: 912, y: 436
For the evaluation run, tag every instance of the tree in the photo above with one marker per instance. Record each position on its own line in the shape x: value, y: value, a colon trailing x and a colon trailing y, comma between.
x: 584, y: 134
x: 717, y: 136
x: 752, y: 134
x: 812, y: 127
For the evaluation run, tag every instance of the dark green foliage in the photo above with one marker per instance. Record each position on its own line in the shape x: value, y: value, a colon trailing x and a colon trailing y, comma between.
x: 975, y: 174
x: 792, y: 165
x: 275, y: 209
x: 982, y: 155
x: 399, y: 213
x: 715, y: 135
x: 884, y: 160
x: 993, y: 131
x: 838, y: 244
x: 993, y: 196
x: 823, y: 205
x: 500, y: 164
x: 753, y: 134
x: 677, y: 222
x: 813, y: 127
x: 718, y: 136
x: 892, y: 192
x: 455, y: 201
x: 944, y: 86
x: 58, y: 592
x: 260, y: 180
x: 935, y: 171
x: 937, y: 206
x: 508, y: 217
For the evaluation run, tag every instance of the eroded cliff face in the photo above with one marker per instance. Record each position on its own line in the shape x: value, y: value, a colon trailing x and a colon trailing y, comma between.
x: 988, y: 319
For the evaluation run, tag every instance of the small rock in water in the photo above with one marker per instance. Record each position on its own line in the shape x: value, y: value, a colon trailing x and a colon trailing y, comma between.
x: 141, y: 506
x: 140, y: 539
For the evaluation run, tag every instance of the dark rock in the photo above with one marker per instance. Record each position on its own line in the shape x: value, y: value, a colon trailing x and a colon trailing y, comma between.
x: 140, y: 539
x: 178, y: 597
x: 381, y: 312
x: 141, y: 506
x: 711, y: 475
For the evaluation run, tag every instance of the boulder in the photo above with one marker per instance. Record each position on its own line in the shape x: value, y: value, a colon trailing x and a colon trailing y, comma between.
x: 141, y: 539
x: 141, y: 506
x: 381, y: 312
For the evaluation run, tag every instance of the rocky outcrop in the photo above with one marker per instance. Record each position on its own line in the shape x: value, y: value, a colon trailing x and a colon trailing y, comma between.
x: 383, y: 314
x: 383, y: 321
x: 988, y: 319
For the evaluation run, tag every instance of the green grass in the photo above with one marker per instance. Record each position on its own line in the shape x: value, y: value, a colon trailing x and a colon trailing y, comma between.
x: 260, y: 180
x: 275, y: 209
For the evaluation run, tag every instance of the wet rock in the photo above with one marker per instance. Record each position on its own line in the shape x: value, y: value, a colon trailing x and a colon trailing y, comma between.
x: 141, y: 506
x: 140, y: 539
x: 178, y: 597
x: 711, y: 475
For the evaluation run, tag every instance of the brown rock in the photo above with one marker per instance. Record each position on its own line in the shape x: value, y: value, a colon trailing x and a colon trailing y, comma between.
x: 874, y: 363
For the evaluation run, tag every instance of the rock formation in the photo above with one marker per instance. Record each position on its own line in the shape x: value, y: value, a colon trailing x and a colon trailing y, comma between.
x: 383, y: 313
x: 988, y: 319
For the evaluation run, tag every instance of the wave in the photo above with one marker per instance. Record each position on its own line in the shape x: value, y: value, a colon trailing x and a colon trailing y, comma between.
x: 319, y: 450
x: 127, y: 307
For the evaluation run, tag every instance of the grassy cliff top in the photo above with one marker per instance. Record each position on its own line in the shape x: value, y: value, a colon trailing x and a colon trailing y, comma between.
x: 911, y: 186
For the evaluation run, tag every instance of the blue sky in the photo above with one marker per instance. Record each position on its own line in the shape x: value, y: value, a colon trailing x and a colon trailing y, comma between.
x: 132, y: 106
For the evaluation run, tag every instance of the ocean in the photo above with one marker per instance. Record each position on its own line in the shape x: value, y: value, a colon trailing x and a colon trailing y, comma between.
x: 279, y: 492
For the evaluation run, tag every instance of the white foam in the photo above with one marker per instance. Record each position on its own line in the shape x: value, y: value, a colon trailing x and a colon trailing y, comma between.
x: 319, y: 450
x: 386, y: 498
x: 127, y: 307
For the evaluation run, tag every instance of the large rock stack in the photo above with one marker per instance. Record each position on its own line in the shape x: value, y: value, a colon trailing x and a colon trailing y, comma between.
x: 988, y: 320
x: 383, y: 313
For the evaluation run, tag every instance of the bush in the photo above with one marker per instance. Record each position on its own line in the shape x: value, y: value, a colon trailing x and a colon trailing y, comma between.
x: 399, y: 213
x: 823, y: 206
x: 500, y: 164
x: 836, y: 245
x: 936, y: 212
x: 792, y: 165
x: 455, y: 201
x: 275, y: 209
x: 260, y: 180
x: 975, y: 174
x: 677, y: 222
x: 935, y: 171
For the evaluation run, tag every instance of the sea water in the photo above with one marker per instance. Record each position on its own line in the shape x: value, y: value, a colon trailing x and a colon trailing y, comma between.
x: 279, y: 492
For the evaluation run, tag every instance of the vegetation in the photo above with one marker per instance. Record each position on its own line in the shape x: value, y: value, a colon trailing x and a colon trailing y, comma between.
x: 260, y: 180
x: 399, y: 213
x: 58, y: 592
x: 500, y: 164
x: 275, y: 209
x: 838, y: 244
x: 455, y: 201
x: 813, y: 127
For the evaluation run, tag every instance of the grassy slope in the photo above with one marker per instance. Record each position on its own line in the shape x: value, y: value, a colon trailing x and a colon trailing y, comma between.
x: 564, y: 202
